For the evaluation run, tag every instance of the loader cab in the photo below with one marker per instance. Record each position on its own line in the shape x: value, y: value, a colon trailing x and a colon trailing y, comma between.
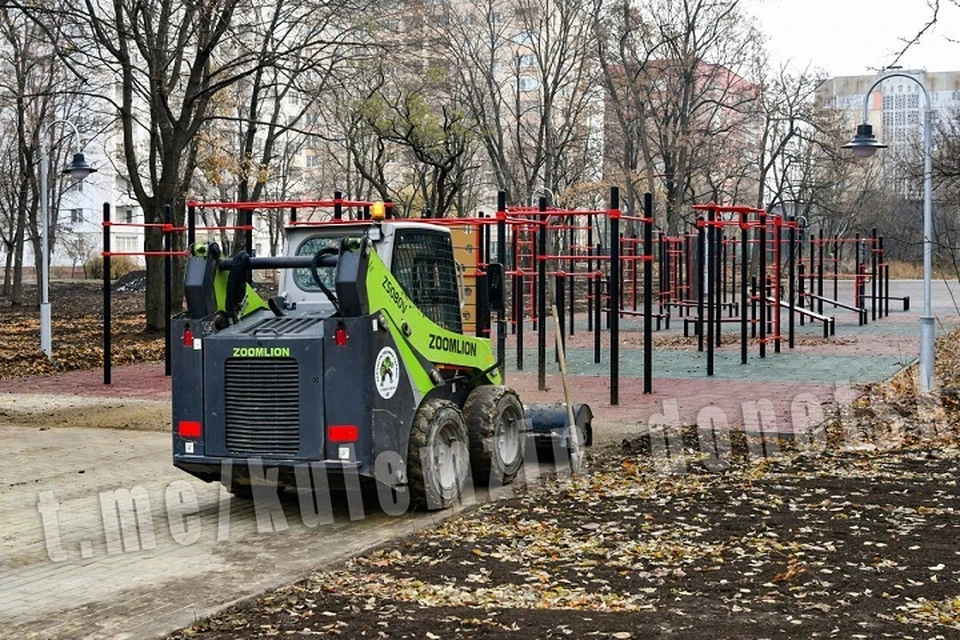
x: 419, y: 255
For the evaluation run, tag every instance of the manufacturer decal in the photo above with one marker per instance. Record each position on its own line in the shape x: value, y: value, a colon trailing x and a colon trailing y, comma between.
x: 261, y: 352
x: 458, y: 346
x: 399, y: 299
x: 386, y: 373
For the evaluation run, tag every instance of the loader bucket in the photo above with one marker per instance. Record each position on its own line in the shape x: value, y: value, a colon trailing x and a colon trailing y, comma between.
x: 548, y: 423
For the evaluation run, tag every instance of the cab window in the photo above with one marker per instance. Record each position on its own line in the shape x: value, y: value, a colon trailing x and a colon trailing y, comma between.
x: 424, y: 266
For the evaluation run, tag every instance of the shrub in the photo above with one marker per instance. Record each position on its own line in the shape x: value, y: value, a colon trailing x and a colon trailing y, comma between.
x: 119, y: 266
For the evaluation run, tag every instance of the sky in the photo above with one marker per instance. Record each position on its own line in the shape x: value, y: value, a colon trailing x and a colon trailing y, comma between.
x: 854, y: 37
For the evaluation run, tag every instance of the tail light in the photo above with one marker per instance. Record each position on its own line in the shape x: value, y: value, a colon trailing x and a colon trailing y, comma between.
x: 343, y: 433
x: 340, y: 336
x: 189, y: 429
x: 187, y: 336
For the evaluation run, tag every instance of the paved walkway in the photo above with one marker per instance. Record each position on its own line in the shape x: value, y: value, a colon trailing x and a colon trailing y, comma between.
x: 76, y: 561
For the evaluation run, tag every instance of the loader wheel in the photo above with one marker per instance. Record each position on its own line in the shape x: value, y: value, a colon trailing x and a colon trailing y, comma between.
x: 438, y: 455
x: 494, y: 417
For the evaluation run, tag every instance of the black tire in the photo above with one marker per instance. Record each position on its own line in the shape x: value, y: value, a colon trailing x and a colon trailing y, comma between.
x: 438, y: 455
x: 498, y: 439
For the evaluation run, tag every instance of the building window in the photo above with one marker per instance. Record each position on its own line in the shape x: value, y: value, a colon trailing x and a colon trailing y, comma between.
x: 127, y: 243
x: 524, y: 37
x: 527, y: 61
x: 76, y: 216
x: 529, y: 84
x: 312, y: 161
x: 128, y: 215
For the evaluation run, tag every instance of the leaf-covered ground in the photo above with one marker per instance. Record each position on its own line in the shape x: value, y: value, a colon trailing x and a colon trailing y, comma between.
x: 849, y: 534
x: 77, y: 331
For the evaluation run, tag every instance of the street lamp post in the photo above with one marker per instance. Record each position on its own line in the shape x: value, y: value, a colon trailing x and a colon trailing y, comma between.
x: 864, y: 145
x: 79, y: 169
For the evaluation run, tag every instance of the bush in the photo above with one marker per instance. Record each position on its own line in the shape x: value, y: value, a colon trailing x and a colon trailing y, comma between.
x: 119, y: 266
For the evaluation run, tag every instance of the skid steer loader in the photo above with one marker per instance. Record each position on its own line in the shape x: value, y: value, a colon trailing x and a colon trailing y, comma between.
x: 359, y: 365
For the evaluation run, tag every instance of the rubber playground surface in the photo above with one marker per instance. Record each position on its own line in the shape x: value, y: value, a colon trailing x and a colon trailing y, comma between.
x: 829, y: 370
x: 832, y: 369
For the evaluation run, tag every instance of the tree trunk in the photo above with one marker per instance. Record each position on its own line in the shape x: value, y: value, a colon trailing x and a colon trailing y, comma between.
x: 16, y: 296
x: 7, y: 271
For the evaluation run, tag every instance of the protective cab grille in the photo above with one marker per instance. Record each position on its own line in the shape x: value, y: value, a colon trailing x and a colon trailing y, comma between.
x: 262, y: 413
x: 423, y: 264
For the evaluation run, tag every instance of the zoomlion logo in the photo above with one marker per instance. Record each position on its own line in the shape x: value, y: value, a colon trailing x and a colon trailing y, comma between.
x: 261, y: 352
x: 386, y: 373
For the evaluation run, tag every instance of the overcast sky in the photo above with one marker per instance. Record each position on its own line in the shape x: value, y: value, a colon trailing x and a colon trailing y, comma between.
x: 852, y: 37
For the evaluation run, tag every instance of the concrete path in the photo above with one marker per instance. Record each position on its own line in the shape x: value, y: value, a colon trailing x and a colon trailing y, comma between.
x: 78, y: 560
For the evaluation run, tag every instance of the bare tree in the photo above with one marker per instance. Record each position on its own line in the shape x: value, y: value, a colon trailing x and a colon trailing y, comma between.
x: 677, y: 73
x: 161, y: 65
x: 34, y: 91
x: 527, y: 73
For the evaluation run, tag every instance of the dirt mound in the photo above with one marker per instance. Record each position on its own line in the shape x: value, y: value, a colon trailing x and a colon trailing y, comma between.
x: 133, y: 282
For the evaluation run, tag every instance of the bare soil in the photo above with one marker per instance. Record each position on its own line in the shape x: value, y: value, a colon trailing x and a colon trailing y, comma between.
x: 835, y: 544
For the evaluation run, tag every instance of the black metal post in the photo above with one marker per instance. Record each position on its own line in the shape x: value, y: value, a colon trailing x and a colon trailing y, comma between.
x: 615, y: 281
x: 820, y: 273
x: 722, y: 269
x: 718, y: 266
x: 801, y: 294
x: 559, y: 295
x: 337, y: 205
x: 648, y: 293
x: 791, y: 283
x: 711, y: 288
x: 660, y: 272
x: 836, y: 268
x: 542, y: 299
x: 701, y: 260
x: 248, y: 234
x: 168, y: 283
x: 744, y: 241
x: 191, y: 226
x: 873, y: 274
x: 733, y: 275
x: 858, y: 293
x: 813, y: 273
x: 597, y: 279
x: 763, y: 283
x: 107, y: 295
x: 482, y: 324
x: 573, y: 281
x: 502, y: 259
x: 590, y: 289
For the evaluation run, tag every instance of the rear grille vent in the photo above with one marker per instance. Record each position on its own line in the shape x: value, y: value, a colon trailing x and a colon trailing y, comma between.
x: 283, y: 325
x: 262, y: 413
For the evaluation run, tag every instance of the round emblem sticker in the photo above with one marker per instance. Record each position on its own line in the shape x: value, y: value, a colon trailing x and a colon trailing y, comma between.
x: 386, y: 374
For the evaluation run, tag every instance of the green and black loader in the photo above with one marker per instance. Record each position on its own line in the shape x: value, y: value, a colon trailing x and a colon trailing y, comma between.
x: 358, y: 365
